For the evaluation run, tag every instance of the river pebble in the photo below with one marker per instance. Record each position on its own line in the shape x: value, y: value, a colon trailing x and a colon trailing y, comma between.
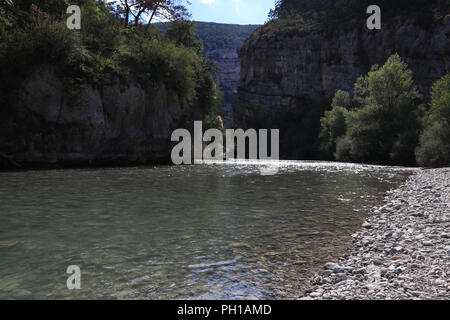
x: 402, y: 250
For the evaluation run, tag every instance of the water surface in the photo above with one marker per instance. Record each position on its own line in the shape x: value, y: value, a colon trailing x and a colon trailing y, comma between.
x: 232, y: 231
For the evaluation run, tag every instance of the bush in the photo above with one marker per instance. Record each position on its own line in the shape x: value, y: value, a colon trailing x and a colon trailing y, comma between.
x: 385, y: 129
x: 333, y: 123
x: 343, y: 147
x: 382, y: 125
x: 434, y: 148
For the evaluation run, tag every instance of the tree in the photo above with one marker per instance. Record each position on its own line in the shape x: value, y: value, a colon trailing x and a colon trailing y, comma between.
x: 434, y: 148
x: 183, y: 32
x: 333, y: 123
x: 161, y: 9
x: 383, y: 125
x: 385, y: 128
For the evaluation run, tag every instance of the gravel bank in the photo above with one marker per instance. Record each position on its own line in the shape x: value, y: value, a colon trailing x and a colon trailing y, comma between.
x: 403, y: 249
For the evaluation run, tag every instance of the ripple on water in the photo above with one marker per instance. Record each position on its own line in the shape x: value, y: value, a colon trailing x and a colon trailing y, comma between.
x: 219, y: 230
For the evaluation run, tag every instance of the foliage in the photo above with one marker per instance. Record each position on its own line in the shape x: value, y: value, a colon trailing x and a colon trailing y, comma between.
x: 46, y: 42
x: 184, y: 33
x: 291, y: 26
x: 136, y: 10
x: 383, y: 126
x: 216, y: 39
x: 217, y: 35
x: 332, y: 10
x: 104, y: 49
x: 329, y: 13
x: 434, y: 148
x: 333, y: 124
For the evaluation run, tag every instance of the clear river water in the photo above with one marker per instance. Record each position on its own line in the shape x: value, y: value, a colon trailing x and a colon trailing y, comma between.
x: 241, y: 230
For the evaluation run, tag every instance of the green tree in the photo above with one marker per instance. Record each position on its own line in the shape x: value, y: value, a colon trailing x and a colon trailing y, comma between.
x: 147, y: 10
x: 384, y: 126
x: 434, y: 148
x: 333, y: 123
x: 183, y: 33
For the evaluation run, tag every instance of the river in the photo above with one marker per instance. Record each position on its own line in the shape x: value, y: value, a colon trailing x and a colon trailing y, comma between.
x: 242, y: 230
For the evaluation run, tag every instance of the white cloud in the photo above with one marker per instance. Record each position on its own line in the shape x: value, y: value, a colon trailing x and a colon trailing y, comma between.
x: 208, y: 1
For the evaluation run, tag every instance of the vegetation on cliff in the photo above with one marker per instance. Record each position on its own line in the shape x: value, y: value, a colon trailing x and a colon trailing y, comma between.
x: 105, y: 48
x: 311, y: 48
x: 217, y: 35
x: 220, y: 44
x: 294, y: 17
x: 343, y: 12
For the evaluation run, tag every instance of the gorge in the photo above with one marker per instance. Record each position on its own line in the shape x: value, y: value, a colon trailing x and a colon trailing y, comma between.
x: 90, y: 117
x: 291, y: 69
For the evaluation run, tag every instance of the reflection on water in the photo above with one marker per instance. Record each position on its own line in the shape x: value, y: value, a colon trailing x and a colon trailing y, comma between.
x: 240, y: 230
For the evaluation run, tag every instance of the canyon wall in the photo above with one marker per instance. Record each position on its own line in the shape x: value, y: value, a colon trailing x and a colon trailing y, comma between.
x: 221, y: 43
x: 228, y: 79
x: 113, y: 124
x: 285, y: 76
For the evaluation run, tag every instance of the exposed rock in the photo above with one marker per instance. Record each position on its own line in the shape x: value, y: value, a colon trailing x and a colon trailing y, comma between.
x: 284, y: 76
x: 224, y: 52
x: 228, y: 79
x: 112, y: 124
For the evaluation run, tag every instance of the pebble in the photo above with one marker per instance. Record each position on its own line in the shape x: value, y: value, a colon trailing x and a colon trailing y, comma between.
x: 367, y: 225
x: 402, y: 250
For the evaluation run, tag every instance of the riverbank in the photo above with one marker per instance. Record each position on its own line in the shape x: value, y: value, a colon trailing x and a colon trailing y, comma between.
x: 403, y: 249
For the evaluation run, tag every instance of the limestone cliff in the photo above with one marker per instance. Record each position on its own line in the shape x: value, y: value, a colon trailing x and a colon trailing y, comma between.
x: 228, y: 78
x: 114, y: 124
x: 285, y: 76
x: 221, y: 42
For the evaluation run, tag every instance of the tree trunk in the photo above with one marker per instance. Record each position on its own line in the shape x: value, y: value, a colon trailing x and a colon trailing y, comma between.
x: 138, y: 16
x: 127, y: 15
x: 151, y: 18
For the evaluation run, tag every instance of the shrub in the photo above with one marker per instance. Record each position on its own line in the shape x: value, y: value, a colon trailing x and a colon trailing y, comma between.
x: 434, y: 148
x: 333, y: 123
x: 382, y: 125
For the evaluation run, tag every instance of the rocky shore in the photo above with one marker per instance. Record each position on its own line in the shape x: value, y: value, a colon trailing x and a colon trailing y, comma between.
x: 403, y: 249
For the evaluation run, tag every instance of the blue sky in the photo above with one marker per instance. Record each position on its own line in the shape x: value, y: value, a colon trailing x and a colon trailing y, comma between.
x: 231, y: 11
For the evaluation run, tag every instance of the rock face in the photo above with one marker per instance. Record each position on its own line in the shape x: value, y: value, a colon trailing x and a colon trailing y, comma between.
x: 113, y: 124
x: 283, y: 75
x: 228, y: 79
x: 221, y: 42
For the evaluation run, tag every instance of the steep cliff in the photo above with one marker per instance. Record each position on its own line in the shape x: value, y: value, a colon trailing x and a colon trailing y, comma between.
x: 289, y: 71
x: 228, y: 78
x: 221, y: 42
x: 117, y: 123
x: 105, y: 94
